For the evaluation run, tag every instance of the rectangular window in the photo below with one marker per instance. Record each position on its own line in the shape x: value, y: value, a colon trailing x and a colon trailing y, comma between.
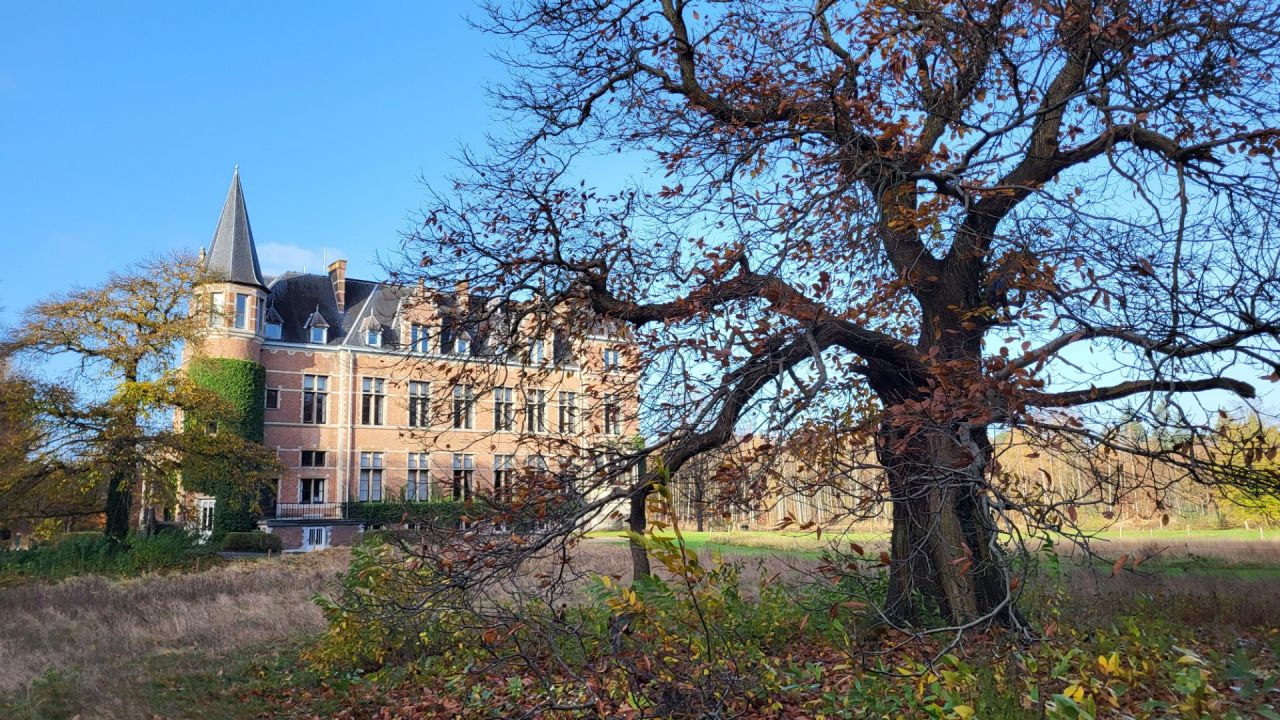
x: 568, y: 412
x: 242, y: 311
x: 274, y: 331
x: 610, y: 359
x: 370, y: 477
x: 464, y: 407
x: 373, y: 337
x: 535, y: 411
x: 419, y: 404
x: 418, y: 338
x: 504, y: 409
x: 373, y: 401
x: 502, y: 477
x: 612, y: 415
x: 316, y: 538
x: 464, y: 470
x: 537, y: 352
x: 312, y: 458
x: 311, y: 491
x: 272, y: 399
x: 216, y: 308
x: 319, y: 335
x: 314, y: 398
x: 418, y: 482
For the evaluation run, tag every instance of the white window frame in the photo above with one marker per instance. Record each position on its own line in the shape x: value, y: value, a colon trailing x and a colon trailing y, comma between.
x: 242, y: 311
x: 419, y: 338
x: 318, y: 335
x: 419, y: 407
x: 464, y: 476
x: 317, y: 386
x: 274, y: 331
x: 307, y: 534
x: 535, y: 410
x: 567, y: 409
x: 373, y: 401
x: 217, y: 309
x: 464, y: 407
x: 371, y: 469
x: 504, y: 409
x: 417, y: 485
x: 317, y: 491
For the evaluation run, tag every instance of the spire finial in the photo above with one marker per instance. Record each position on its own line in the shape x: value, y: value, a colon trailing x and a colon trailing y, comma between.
x: 236, y: 170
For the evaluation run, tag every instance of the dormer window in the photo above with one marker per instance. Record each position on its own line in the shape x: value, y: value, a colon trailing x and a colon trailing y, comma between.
x: 372, y: 330
x: 274, y: 327
x: 462, y: 344
x: 317, y: 328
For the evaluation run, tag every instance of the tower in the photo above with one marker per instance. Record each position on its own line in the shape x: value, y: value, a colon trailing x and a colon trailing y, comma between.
x: 233, y: 290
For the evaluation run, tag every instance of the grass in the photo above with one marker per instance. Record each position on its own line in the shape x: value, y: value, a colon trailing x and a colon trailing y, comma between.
x: 223, y: 643
x: 94, y: 646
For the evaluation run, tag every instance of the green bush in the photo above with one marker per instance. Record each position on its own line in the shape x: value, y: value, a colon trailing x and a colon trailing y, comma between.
x: 439, y: 513
x: 92, y: 553
x: 252, y: 542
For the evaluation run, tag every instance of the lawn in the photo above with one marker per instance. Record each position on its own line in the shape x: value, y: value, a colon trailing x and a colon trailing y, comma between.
x: 1246, y: 553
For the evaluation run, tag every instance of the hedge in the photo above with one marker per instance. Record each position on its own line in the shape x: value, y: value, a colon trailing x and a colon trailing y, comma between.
x: 432, y: 512
x: 252, y: 542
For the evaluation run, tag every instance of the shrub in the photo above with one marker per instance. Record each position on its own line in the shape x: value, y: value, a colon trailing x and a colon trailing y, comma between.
x: 438, y: 513
x: 252, y: 542
x: 85, y: 553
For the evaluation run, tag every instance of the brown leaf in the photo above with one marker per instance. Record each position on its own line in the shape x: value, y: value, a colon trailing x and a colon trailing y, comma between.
x: 1119, y: 565
x: 856, y: 548
x: 884, y: 558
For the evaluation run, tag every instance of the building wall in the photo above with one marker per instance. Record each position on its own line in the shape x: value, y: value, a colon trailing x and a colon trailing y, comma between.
x: 343, y: 436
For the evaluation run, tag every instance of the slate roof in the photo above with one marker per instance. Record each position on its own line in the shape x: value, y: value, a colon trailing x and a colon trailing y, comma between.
x: 295, y: 297
x: 232, y: 256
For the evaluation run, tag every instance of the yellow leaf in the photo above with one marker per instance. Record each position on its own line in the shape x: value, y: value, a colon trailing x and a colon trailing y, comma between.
x: 963, y: 711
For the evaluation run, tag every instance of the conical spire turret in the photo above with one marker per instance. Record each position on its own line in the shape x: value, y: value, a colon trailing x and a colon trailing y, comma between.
x: 232, y: 256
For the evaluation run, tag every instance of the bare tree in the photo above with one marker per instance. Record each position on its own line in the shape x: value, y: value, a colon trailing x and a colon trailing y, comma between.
x: 894, y: 222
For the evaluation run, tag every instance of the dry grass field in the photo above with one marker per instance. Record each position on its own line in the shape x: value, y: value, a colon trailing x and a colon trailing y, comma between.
x: 155, y: 646
x: 91, y: 646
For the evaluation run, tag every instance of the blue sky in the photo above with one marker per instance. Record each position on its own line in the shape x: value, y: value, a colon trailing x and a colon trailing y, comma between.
x: 121, y: 123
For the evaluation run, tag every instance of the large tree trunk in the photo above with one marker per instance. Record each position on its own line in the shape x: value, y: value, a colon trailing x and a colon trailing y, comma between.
x: 945, y: 560
x: 118, y: 501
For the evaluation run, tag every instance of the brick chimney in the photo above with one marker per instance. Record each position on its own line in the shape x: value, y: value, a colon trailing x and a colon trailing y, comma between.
x: 338, y: 276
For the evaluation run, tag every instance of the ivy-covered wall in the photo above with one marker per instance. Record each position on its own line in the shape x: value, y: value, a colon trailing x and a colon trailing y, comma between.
x: 243, y: 384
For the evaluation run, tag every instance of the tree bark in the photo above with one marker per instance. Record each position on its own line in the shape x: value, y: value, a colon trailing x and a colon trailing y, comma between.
x: 637, y: 519
x: 944, y: 557
x: 118, y: 501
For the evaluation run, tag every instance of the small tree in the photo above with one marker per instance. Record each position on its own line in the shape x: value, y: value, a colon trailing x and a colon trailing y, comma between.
x: 112, y: 417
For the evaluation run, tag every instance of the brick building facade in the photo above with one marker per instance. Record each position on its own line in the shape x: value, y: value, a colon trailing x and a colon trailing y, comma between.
x: 378, y: 392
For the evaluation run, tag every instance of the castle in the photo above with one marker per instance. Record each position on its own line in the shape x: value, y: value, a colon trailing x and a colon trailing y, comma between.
x: 375, y: 391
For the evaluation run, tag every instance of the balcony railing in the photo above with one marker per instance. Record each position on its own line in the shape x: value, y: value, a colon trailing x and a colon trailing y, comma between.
x: 378, y: 511
x: 301, y: 511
